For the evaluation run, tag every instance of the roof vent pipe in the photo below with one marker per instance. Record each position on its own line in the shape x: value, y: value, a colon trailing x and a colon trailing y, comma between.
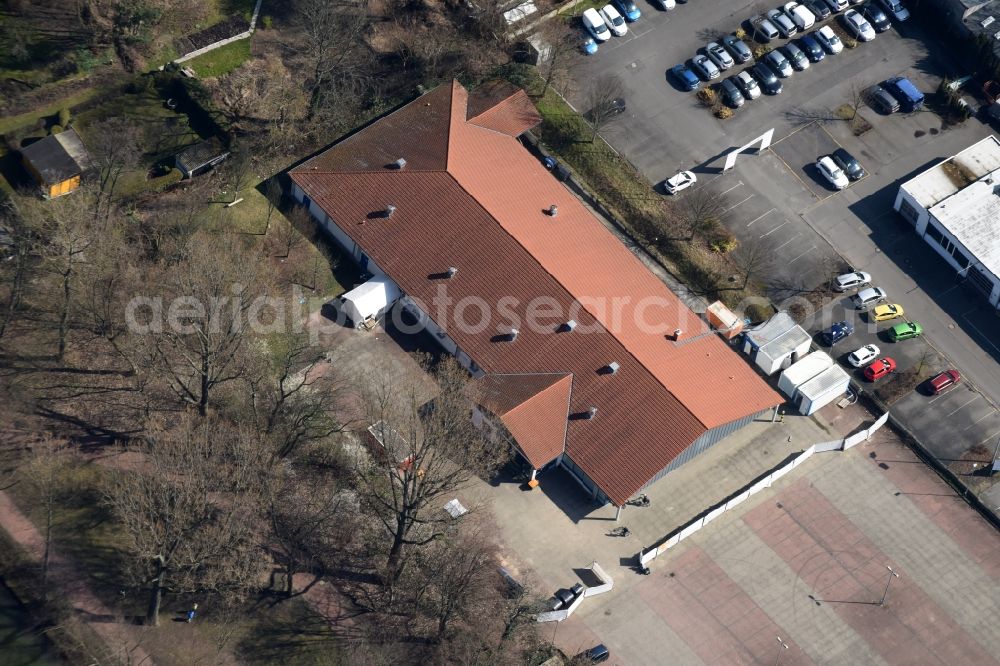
x: 513, y: 334
x: 553, y: 210
x: 678, y: 333
x: 452, y: 271
x: 399, y: 164
x: 569, y: 325
x: 389, y: 210
x: 613, y: 368
x: 591, y: 413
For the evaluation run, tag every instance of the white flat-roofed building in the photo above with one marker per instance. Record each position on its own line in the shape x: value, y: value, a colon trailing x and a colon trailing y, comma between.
x: 955, y: 207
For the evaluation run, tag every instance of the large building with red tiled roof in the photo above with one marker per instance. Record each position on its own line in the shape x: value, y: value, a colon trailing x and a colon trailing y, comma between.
x: 586, y: 358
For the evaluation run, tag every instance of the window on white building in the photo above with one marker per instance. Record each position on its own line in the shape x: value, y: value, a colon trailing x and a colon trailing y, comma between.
x: 907, y: 210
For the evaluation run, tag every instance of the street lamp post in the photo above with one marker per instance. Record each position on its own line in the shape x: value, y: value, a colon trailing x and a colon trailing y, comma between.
x: 782, y: 646
x: 892, y: 574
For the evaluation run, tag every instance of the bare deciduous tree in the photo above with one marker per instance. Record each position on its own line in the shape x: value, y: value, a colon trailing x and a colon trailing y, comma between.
x: 562, y: 55
x: 189, y: 510
x: 430, y: 452
x: 44, y: 474
x: 115, y: 147
x: 700, y: 210
x: 604, y: 100
x: 754, y: 258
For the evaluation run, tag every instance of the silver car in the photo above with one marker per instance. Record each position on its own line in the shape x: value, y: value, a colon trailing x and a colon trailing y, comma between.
x: 719, y: 56
x: 747, y: 85
x: 866, y: 298
x: 796, y: 56
x: 764, y: 30
x: 784, y: 24
x: 704, y: 68
x: 858, y: 26
x: 779, y: 63
x: 853, y: 280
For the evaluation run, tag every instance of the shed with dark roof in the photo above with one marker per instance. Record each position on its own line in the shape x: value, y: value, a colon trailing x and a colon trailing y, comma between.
x: 200, y: 157
x: 56, y: 162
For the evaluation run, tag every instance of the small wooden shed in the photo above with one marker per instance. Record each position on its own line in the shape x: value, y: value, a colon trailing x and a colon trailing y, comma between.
x: 200, y: 157
x: 57, y: 162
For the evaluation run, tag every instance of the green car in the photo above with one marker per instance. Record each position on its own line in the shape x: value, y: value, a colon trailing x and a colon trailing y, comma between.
x: 910, y: 329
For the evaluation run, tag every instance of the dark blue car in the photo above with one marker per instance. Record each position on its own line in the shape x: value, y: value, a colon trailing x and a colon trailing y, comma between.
x: 813, y: 49
x: 627, y: 9
x: 685, y: 77
x: 837, y: 332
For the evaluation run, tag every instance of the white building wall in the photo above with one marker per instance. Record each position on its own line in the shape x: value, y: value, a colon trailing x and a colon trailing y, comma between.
x: 914, y: 213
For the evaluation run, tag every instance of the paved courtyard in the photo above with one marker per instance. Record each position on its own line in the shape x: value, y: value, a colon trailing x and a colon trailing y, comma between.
x: 805, y: 560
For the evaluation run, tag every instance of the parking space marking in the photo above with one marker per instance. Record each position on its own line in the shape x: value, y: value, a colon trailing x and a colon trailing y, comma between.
x: 738, y: 204
x: 791, y: 171
x: 987, y: 414
x: 991, y: 437
x: 759, y: 217
x: 775, y: 229
x: 739, y: 184
x: 644, y: 32
x: 811, y: 248
x: 786, y: 242
x: 974, y: 398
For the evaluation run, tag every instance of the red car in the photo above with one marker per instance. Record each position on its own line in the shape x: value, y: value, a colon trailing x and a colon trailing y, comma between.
x: 879, y: 369
x: 944, y: 381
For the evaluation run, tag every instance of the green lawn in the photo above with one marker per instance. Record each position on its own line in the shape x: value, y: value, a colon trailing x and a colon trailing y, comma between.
x: 222, y: 60
x: 79, y: 97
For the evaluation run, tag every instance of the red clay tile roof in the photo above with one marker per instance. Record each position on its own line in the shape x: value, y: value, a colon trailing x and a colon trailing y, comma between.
x: 482, y: 212
x: 534, y: 408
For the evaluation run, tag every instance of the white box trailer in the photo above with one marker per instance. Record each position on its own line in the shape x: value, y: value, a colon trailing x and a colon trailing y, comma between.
x: 367, y: 301
x: 805, y: 369
x: 822, y: 389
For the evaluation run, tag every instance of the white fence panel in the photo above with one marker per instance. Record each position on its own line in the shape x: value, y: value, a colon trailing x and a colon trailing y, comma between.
x: 606, y: 584
x: 878, y: 424
x: 714, y: 513
x: 691, y: 529
x: 552, y: 616
x: 760, y: 485
x: 829, y: 446
x: 804, y: 456
x: 668, y: 544
x: 739, y: 499
x: 855, y: 439
x: 646, y: 558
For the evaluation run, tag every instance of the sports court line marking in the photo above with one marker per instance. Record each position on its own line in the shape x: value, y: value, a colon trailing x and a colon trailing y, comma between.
x: 974, y: 398
x: 760, y: 217
x: 775, y: 229
x: 738, y: 204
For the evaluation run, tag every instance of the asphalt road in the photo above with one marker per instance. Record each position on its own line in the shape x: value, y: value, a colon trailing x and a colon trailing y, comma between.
x: 776, y: 197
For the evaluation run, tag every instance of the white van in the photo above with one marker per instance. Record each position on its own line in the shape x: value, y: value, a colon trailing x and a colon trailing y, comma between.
x: 595, y: 25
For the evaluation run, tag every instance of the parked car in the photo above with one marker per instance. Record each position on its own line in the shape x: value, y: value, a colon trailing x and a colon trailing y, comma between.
x: 879, y: 99
x: 595, y: 655
x: 812, y: 48
x: 895, y: 9
x: 887, y: 311
x: 589, y: 46
x: 666, y: 5
x: 767, y: 78
x: 687, y: 79
x: 859, y: 358
x: 704, y: 68
x: 781, y: 21
x: 747, y: 85
x: 763, y: 29
x: 796, y: 56
x: 874, y: 15
x: 731, y: 95
x: 836, y: 5
x: 849, y: 164
x: 628, y: 9
x: 828, y: 40
x: 738, y: 48
x: 856, y: 25
x: 910, y: 99
x: 614, y: 20
x: 680, y: 181
x: 777, y: 61
x: 866, y: 298
x: 595, y: 25
x: 606, y: 109
x: 910, y: 329
x: 837, y: 332
x: 943, y: 381
x: 819, y: 8
x: 800, y: 15
x: 833, y: 173
x: 880, y: 369
x: 719, y: 56
x: 852, y: 281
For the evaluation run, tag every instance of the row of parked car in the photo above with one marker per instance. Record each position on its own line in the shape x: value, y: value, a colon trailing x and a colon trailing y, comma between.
x: 873, y: 300
x: 612, y: 19
x: 785, y: 22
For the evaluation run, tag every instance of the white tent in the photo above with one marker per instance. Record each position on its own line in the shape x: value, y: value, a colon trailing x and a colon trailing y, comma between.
x: 368, y: 300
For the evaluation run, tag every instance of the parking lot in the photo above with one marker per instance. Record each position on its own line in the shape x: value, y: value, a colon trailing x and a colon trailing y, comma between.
x: 777, y: 198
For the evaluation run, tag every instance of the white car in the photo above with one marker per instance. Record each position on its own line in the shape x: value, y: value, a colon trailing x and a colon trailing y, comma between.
x: 719, y: 56
x: 858, y: 25
x: 859, y: 358
x: 681, y: 181
x: 852, y: 281
x: 614, y: 20
x: 828, y: 40
x: 801, y: 16
x: 595, y: 25
x: 667, y: 5
x: 747, y: 85
x: 832, y: 172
